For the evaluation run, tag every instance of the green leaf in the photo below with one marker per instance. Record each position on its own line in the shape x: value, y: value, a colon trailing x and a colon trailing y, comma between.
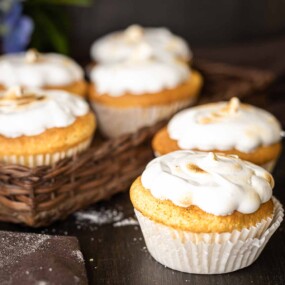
x: 50, y: 29
x: 57, y: 37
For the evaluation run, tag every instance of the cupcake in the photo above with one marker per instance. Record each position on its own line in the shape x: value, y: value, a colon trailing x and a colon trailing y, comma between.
x: 40, y: 127
x: 140, y: 91
x: 228, y: 127
x: 205, y: 213
x: 46, y: 71
x: 118, y: 46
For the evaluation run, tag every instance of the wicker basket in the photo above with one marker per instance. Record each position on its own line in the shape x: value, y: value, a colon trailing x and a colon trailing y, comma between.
x: 37, y: 197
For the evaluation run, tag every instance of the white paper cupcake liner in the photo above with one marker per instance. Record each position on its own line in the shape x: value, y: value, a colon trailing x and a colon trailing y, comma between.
x: 114, y: 122
x: 208, y: 253
x: 269, y: 166
x: 34, y: 160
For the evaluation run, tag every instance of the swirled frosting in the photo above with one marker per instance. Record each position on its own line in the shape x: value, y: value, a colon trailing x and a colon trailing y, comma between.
x: 36, y: 70
x: 31, y: 112
x: 117, y: 46
x: 138, y: 76
x: 224, y: 126
x: 215, y: 183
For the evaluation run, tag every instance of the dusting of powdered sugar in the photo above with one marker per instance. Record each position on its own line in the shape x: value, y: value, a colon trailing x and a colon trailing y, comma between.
x: 98, y: 217
x: 26, y: 244
x: 126, y: 222
x: 41, y: 282
x: 78, y: 255
x: 103, y: 216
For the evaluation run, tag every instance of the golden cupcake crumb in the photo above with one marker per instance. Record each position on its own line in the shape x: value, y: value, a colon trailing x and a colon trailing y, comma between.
x: 192, y: 218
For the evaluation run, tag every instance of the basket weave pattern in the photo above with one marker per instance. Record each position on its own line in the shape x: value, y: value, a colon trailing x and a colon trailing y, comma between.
x: 39, y: 196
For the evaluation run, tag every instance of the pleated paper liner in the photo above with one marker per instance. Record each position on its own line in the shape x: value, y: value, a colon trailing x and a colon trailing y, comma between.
x: 208, y: 253
x: 38, y: 196
x: 33, y: 160
x: 114, y: 121
x: 269, y: 166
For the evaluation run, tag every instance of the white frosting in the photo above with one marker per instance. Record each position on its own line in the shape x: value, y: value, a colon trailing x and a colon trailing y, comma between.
x: 217, y: 184
x: 119, y: 45
x: 49, y: 69
x: 224, y: 126
x: 31, y: 112
x: 138, y: 76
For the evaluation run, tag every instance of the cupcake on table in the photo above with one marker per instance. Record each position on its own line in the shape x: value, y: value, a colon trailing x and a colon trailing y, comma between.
x: 227, y: 127
x: 47, y: 71
x: 142, y: 88
x: 118, y: 46
x: 205, y: 213
x: 41, y: 127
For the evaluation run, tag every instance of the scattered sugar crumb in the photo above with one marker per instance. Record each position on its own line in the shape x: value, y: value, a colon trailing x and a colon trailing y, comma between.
x: 41, y: 282
x: 78, y: 255
x: 126, y: 222
x: 101, y: 217
x: 144, y: 249
x: 29, y: 243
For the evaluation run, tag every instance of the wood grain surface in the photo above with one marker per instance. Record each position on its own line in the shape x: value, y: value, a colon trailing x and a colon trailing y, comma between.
x: 117, y: 255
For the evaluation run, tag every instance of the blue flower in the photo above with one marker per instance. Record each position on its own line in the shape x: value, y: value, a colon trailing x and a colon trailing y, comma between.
x: 18, y: 28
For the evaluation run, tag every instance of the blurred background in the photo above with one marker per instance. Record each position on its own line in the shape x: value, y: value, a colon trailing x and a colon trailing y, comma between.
x: 254, y: 30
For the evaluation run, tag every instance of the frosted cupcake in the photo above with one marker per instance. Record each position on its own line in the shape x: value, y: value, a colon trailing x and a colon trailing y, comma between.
x: 41, y: 127
x: 205, y: 213
x: 140, y: 91
x: 46, y: 71
x: 118, y: 46
x: 228, y: 127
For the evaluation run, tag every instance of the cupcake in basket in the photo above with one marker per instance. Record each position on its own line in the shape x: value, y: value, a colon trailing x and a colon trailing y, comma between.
x: 40, y: 127
x: 140, y: 91
x: 118, y: 46
x: 46, y: 71
x: 227, y: 127
x: 205, y: 213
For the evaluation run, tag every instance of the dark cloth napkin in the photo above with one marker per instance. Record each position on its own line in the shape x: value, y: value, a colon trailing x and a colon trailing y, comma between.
x: 40, y: 259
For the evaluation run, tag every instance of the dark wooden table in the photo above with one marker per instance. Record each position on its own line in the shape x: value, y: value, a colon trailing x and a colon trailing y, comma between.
x: 117, y: 255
